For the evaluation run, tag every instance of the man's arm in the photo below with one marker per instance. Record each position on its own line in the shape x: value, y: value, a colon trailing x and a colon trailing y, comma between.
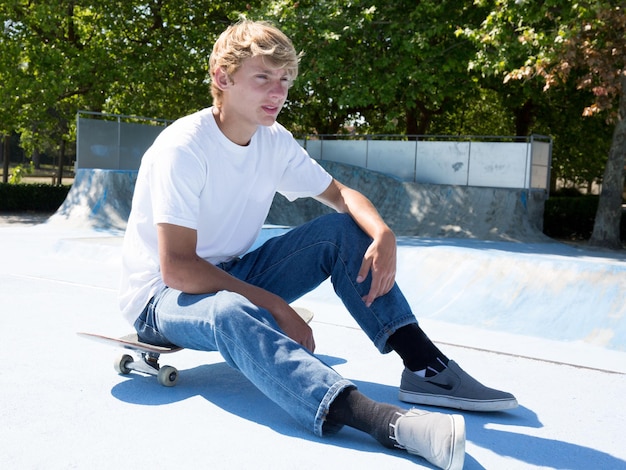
x: 184, y: 270
x: 380, y: 257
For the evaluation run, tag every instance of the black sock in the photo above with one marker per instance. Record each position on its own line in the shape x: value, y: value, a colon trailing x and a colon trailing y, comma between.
x: 417, y: 351
x: 354, y: 409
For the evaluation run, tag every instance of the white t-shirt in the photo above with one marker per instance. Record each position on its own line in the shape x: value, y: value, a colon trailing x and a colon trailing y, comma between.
x: 195, y: 177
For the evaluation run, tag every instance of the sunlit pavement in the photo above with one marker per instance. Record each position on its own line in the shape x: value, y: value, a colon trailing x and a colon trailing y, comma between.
x: 513, y: 315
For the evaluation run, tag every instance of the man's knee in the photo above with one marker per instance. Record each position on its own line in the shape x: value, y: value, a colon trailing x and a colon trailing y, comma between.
x: 235, y: 308
x: 346, y: 228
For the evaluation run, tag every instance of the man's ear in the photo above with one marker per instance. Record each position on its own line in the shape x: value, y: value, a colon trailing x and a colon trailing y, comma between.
x: 221, y: 78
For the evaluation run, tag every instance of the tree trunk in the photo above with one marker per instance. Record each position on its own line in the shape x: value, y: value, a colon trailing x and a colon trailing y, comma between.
x: 5, y: 158
x: 61, y: 160
x: 411, y: 127
x: 36, y: 159
x: 606, y: 228
x: 524, y: 116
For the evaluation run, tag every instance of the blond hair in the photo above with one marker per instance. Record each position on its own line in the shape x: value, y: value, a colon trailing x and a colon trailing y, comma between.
x: 246, y: 39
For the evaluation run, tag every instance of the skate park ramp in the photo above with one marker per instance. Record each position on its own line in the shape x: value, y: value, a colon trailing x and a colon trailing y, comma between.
x: 431, y: 210
x: 544, y: 321
x: 102, y: 199
x: 98, y: 199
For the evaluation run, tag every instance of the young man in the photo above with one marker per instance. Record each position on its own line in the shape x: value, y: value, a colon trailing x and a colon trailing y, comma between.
x: 202, y: 194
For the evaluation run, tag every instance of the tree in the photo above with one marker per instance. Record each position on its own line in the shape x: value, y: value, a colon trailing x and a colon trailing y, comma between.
x: 599, y: 47
x: 9, y: 54
x: 561, y: 42
x: 143, y: 57
x: 51, y: 65
x: 376, y: 63
x: 161, y: 49
x: 382, y: 67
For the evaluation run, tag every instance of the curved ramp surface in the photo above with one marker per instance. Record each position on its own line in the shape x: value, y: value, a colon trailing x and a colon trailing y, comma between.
x: 99, y: 199
x: 430, y: 210
x: 102, y: 199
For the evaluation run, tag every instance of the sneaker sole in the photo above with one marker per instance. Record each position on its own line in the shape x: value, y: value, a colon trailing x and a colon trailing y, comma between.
x: 456, y: 403
x: 458, y: 445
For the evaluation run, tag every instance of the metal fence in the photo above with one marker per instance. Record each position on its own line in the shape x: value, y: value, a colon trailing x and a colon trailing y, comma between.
x: 489, y: 161
x: 110, y: 141
x: 114, y: 141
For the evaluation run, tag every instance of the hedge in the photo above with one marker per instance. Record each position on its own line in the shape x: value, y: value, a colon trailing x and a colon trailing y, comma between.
x: 31, y: 197
x: 572, y: 217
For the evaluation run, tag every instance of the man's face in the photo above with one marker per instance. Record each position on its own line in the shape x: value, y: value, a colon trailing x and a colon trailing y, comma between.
x: 258, y: 91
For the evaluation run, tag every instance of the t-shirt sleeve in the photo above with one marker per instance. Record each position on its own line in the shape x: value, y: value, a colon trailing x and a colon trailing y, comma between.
x: 304, y: 177
x: 177, y: 179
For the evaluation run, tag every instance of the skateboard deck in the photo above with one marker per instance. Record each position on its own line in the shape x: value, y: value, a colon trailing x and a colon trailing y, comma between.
x: 148, y: 363
x: 131, y: 341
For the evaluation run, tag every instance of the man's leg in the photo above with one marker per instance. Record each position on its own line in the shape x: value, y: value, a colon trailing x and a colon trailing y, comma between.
x: 313, y: 393
x: 437, y: 437
x: 333, y: 246
x: 249, y: 340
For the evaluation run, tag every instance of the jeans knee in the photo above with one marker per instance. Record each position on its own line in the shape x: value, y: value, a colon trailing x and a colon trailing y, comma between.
x: 339, y: 221
x: 233, y: 308
x: 347, y: 230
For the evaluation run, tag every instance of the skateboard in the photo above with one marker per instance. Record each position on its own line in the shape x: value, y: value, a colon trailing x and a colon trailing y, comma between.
x: 147, y: 360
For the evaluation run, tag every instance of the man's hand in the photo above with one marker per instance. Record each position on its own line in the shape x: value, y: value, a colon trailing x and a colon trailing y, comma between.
x: 380, y: 257
x: 294, y: 326
x: 183, y: 269
x: 380, y: 260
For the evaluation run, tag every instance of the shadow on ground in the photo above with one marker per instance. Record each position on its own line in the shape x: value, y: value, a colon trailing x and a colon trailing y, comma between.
x: 230, y: 390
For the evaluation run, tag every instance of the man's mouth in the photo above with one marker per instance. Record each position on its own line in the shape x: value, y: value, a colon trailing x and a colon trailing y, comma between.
x: 271, y: 109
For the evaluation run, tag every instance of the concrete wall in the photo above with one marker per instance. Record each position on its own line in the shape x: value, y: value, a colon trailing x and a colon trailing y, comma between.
x: 429, y: 210
x: 102, y: 199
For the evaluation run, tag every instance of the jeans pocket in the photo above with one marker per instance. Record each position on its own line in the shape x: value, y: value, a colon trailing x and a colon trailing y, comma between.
x: 146, y: 327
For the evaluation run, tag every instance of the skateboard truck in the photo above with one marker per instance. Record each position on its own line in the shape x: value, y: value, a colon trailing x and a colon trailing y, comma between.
x: 148, y: 364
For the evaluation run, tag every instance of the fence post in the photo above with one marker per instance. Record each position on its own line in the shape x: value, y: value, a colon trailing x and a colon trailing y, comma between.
x: 469, y: 162
x: 415, y: 160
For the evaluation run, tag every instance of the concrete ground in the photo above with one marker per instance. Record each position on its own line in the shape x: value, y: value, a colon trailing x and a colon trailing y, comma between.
x: 63, y: 406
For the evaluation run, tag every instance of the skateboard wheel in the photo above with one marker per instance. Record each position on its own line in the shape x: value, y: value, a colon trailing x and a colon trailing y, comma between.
x: 167, y: 376
x: 121, y: 364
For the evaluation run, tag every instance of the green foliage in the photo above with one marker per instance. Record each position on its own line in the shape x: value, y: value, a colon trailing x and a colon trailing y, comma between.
x: 20, y: 171
x: 161, y: 51
x: 31, y: 197
x: 46, y: 66
x: 131, y: 57
x: 433, y: 66
x: 484, y: 115
x: 568, y: 45
x: 378, y: 63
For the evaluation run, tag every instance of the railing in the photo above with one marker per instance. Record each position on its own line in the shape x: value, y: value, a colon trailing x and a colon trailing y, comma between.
x: 114, y: 141
x: 118, y: 142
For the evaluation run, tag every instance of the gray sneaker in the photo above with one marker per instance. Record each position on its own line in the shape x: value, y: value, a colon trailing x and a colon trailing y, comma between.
x: 437, y: 437
x: 453, y: 388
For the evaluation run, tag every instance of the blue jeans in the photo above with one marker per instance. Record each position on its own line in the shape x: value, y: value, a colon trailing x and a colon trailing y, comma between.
x: 249, y: 338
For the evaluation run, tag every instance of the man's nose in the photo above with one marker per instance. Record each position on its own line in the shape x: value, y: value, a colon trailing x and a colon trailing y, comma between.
x: 278, y: 88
